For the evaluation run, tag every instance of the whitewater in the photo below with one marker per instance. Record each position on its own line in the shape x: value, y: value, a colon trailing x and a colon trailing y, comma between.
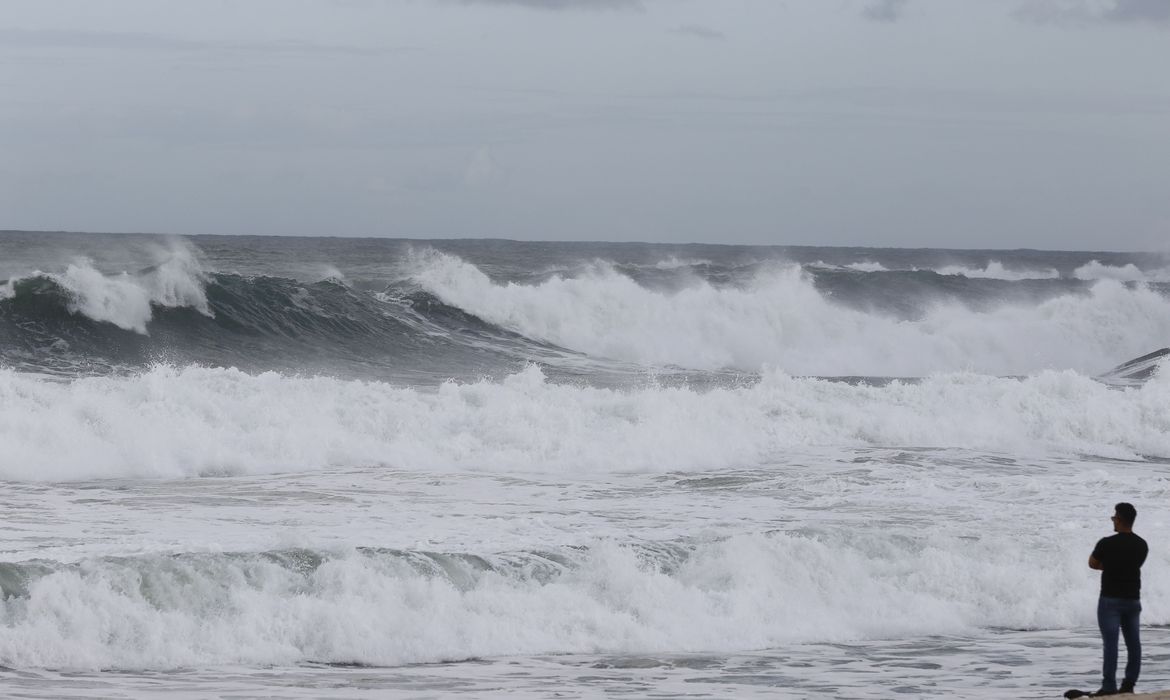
x: 391, y: 468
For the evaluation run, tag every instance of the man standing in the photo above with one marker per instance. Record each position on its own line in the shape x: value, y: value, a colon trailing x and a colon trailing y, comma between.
x: 1119, y: 559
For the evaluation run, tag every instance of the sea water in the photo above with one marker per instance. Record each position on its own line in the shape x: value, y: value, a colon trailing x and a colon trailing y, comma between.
x: 378, y: 468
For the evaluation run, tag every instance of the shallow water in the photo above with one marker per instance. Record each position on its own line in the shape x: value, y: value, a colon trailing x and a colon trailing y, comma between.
x: 854, y: 572
x: 1001, y: 663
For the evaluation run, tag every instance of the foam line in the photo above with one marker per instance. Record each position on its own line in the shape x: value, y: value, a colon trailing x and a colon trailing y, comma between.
x: 183, y: 422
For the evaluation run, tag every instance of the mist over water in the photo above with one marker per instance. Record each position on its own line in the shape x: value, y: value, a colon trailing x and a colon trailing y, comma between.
x: 251, y: 452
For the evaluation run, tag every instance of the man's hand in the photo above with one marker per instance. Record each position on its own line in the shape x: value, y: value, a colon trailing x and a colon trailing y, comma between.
x: 1094, y: 564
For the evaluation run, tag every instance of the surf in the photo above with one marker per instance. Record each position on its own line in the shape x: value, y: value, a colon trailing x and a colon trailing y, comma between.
x: 375, y: 606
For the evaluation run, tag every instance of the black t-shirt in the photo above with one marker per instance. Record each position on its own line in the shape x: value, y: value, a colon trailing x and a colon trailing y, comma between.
x: 1121, y: 557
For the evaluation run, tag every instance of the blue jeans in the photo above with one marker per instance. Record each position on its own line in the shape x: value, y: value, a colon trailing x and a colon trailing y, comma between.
x: 1114, y: 614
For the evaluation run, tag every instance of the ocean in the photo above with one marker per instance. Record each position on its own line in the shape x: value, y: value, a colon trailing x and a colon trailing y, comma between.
x: 374, y: 468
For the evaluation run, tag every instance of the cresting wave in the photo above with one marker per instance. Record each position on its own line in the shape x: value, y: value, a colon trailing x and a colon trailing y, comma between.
x: 170, y: 422
x: 439, y: 315
x: 81, y: 322
x: 127, y: 300
x: 780, y: 319
x: 394, y: 607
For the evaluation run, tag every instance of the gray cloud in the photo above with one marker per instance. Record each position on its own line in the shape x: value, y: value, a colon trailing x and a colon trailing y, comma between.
x: 1044, y: 12
x: 1083, y: 11
x: 562, y: 4
x: 1139, y: 10
x: 699, y: 31
x: 885, y: 10
x: 128, y: 41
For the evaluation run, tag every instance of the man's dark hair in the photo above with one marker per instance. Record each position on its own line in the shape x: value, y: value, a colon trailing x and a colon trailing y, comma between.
x: 1126, y: 513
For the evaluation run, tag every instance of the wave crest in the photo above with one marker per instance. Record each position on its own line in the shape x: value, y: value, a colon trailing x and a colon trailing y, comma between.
x: 176, y: 280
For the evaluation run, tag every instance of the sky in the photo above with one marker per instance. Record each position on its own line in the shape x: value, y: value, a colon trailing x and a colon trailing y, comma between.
x: 913, y: 123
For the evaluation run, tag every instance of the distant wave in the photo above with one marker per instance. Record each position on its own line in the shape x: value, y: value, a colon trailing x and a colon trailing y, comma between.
x: 673, y: 263
x: 996, y: 270
x: 170, y: 422
x: 438, y: 315
x: 781, y: 319
x: 993, y: 270
x: 1124, y: 273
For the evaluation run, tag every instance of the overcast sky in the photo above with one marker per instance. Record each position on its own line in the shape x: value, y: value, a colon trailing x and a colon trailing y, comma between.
x: 941, y: 123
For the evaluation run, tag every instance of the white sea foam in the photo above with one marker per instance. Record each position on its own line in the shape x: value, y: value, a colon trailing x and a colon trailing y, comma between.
x: 178, y: 422
x: 780, y: 320
x: 747, y: 592
x: 996, y: 270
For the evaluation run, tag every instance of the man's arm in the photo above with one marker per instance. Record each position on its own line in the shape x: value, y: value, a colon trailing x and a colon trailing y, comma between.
x: 1098, y: 555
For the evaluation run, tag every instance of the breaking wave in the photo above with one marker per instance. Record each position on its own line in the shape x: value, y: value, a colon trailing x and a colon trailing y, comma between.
x: 390, y: 607
x: 125, y: 300
x: 781, y: 319
x: 170, y: 422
